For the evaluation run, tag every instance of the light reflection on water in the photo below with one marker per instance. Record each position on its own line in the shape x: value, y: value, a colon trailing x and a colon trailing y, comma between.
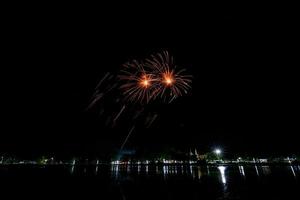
x: 224, y: 180
x: 256, y: 170
x: 193, y: 171
x: 266, y: 170
x: 181, y: 181
x: 293, y: 171
x: 199, y: 172
x: 242, y: 171
x: 72, y: 169
x: 222, y: 173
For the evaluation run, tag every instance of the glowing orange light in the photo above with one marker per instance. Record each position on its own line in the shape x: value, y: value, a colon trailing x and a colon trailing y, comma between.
x: 168, y: 79
x: 145, y: 81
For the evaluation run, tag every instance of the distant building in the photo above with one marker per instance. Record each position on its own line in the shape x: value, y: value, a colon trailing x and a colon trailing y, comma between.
x: 200, y: 156
x: 263, y: 160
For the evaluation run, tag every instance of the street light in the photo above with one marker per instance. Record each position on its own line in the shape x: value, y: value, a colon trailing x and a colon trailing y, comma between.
x: 218, y: 151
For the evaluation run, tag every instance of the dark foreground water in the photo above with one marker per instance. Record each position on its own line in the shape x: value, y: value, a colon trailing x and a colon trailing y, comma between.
x: 150, y: 182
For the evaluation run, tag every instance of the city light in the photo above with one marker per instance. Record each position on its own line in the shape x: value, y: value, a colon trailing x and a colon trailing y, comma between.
x: 218, y: 151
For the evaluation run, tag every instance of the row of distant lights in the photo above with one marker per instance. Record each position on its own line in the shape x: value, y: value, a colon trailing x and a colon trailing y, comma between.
x: 118, y: 162
x: 164, y: 161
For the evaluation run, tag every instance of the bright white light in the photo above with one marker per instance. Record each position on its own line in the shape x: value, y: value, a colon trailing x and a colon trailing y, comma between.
x: 165, y: 170
x: 293, y: 171
x: 222, y: 172
x: 256, y: 169
x: 218, y: 151
x: 242, y: 171
x: 199, y: 172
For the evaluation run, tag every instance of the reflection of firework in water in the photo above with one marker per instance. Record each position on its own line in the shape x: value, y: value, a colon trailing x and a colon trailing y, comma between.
x: 156, y: 77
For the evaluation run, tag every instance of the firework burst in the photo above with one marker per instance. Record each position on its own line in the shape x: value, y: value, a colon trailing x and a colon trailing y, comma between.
x: 136, y: 82
x: 155, y: 77
x: 171, y: 83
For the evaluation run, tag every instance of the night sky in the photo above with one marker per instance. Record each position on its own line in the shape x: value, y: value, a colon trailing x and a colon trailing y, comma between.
x: 243, y: 97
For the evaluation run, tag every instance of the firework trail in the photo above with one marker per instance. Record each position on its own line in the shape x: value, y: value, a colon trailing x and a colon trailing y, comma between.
x: 118, y: 115
x: 100, y: 92
x: 101, y: 81
x: 95, y: 99
x: 150, y: 120
x: 125, y: 141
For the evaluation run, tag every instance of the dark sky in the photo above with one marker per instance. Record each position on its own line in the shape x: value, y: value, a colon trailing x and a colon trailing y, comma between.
x: 243, y: 98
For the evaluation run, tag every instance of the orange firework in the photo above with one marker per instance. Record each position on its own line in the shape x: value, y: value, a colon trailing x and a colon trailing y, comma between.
x: 137, y: 83
x: 172, y: 83
x: 156, y: 77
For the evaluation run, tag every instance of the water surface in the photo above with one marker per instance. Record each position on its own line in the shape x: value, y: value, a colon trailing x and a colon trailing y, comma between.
x: 151, y: 182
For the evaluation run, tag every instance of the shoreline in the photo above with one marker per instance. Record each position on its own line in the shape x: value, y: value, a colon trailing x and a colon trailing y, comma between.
x: 156, y: 164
